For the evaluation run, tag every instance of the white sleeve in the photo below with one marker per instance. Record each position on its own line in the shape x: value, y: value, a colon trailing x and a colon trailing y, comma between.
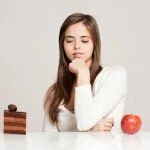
x: 48, y: 126
x: 89, y: 110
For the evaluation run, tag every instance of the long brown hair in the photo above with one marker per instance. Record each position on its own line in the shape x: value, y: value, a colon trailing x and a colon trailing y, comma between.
x: 62, y: 88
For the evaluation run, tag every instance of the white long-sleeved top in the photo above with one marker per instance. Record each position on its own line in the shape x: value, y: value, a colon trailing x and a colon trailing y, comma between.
x: 106, y: 100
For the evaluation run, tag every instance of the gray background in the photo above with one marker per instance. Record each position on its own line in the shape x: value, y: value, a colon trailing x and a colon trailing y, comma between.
x: 29, y: 50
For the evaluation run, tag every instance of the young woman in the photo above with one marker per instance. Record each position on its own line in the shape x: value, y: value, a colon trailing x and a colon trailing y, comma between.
x: 85, y: 96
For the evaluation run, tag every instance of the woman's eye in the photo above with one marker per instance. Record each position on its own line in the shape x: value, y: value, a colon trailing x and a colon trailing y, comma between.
x: 72, y: 41
x: 68, y: 41
x: 85, y: 41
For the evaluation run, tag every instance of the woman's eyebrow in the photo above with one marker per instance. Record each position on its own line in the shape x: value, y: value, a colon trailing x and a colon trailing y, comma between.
x: 69, y: 36
x: 81, y: 37
x: 85, y: 37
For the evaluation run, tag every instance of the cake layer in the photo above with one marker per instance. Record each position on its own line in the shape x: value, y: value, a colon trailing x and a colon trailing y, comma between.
x: 14, y: 114
x: 14, y: 132
x: 14, y: 119
x: 14, y: 124
x: 14, y: 128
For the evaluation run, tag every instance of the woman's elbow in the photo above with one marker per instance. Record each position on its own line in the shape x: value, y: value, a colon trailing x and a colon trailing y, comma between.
x: 83, y: 126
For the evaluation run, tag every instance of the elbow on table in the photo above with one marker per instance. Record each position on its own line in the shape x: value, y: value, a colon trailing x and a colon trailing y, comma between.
x: 83, y: 126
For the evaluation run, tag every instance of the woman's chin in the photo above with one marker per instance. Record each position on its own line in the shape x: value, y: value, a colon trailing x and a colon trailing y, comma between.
x: 79, y: 57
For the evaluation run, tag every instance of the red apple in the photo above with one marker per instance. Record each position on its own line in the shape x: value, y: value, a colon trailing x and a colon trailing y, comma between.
x: 130, y: 123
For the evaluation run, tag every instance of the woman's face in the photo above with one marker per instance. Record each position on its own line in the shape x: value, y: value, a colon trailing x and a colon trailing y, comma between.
x: 78, y: 43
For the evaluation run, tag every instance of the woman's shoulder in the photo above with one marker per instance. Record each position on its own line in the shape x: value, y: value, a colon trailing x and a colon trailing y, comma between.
x: 112, y: 72
x: 114, y: 69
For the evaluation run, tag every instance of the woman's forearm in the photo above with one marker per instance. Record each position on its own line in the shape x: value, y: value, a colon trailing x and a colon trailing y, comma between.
x: 83, y: 77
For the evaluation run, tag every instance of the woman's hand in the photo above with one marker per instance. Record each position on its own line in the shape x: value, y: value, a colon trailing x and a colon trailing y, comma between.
x: 80, y: 68
x: 105, y: 125
x: 78, y: 65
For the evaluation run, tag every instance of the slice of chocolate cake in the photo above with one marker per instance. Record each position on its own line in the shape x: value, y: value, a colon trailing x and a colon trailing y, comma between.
x: 14, y: 122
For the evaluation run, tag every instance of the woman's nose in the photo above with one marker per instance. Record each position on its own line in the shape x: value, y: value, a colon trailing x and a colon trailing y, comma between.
x: 77, y: 45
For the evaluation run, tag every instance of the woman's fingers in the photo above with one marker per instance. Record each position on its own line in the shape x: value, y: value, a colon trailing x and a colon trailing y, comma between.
x: 106, y: 128
x: 108, y: 124
x: 105, y: 124
x: 109, y: 120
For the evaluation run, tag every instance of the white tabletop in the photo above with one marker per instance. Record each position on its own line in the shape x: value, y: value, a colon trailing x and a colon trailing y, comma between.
x: 75, y: 141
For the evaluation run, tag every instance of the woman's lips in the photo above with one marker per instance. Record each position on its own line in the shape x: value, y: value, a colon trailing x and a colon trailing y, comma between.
x: 78, y: 55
